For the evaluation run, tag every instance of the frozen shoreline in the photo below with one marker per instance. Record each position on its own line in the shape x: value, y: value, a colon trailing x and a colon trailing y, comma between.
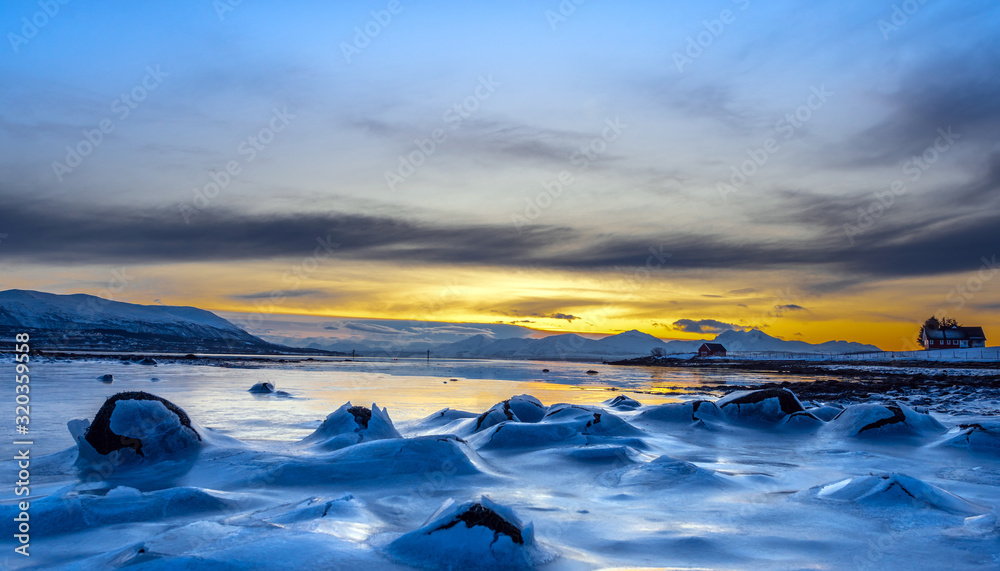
x: 741, y: 482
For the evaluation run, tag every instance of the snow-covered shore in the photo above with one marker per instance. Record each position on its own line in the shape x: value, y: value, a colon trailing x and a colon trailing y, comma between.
x: 754, y: 480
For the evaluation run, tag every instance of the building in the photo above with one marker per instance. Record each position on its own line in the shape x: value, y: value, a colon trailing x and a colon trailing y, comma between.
x: 711, y: 350
x: 954, y: 337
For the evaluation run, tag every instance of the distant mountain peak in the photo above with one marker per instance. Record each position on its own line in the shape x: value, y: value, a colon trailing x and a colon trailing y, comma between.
x: 81, y: 321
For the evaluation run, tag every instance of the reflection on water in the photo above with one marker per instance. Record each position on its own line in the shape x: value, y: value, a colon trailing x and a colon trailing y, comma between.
x: 217, y: 397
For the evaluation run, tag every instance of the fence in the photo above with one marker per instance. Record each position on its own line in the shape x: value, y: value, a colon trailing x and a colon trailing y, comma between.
x: 977, y: 354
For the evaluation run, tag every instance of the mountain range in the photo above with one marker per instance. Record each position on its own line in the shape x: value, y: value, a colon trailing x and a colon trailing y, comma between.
x: 630, y: 344
x: 79, y: 321
x: 75, y: 322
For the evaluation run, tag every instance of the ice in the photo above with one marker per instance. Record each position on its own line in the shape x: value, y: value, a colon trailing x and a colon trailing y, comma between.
x: 978, y: 437
x: 604, y: 482
x: 681, y: 412
x: 765, y: 405
x: 891, y: 490
x: 662, y: 472
x: 879, y: 421
x: 623, y: 402
x: 262, y: 388
x: 73, y: 511
x: 351, y: 424
x: 474, y: 535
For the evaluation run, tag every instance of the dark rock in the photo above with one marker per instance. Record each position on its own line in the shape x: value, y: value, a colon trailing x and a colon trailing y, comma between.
x: 362, y: 414
x: 104, y: 441
x: 481, y: 515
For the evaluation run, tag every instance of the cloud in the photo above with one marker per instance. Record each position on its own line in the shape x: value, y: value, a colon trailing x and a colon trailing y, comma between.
x: 960, y: 90
x: 374, y: 328
x: 78, y: 235
x: 704, y: 326
x: 278, y: 294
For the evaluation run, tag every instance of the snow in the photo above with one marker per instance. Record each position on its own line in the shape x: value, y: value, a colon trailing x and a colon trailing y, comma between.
x: 631, y: 344
x: 748, y: 481
x: 39, y: 310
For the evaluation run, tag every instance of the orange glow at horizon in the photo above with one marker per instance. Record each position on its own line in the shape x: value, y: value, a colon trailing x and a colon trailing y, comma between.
x: 886, y: 313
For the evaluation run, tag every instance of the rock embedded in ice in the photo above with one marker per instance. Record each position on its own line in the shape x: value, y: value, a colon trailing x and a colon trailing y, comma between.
x: 878, y: 420
x: 764, y: 405
x: 896, y: 490
x: 136, y: 425
x: 352, y: 424
x: 682, y: 412
x: 107, y: 378
x: 500, y: 412
x: 978, y: 437
x: 525, y: 408
x: 474, y: 535
x: 262, y: 388
x: 623, y: 402
x: 563, y: 425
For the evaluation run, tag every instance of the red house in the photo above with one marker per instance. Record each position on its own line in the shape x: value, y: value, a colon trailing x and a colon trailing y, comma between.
x: 954, y: 337
x: 711, y: 350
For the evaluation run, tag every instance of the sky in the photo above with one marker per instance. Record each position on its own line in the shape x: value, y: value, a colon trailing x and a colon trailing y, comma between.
x: 821, y: 171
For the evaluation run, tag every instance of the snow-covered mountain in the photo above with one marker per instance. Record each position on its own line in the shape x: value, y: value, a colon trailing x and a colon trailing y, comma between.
x: 87, y: 322
x: 757, y: 340
x: 565, y: 346
x: 630, y: 344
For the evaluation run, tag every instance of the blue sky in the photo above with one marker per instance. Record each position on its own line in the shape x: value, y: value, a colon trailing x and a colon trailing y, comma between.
x: 532, y: 90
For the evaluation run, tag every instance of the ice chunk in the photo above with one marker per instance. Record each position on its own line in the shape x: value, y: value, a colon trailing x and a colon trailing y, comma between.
x: 682, y: 412
x: 474, y: 535
x: 764, y: 405
x: 563, y: 425
x: 263, y: 388
x: 892, y: 489
x: 662, y: 471
x: 623, y: 402
x: 136, y: 426
x: 428, y: 457
x: 877, y: 420
x: 352, y: 424
x: 979, y: 437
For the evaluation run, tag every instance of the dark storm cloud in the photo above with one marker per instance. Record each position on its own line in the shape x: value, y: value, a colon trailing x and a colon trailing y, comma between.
x: 275, y: 294
x: 79, y: 236
x: 961, y: 92
x: 703, y: 326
